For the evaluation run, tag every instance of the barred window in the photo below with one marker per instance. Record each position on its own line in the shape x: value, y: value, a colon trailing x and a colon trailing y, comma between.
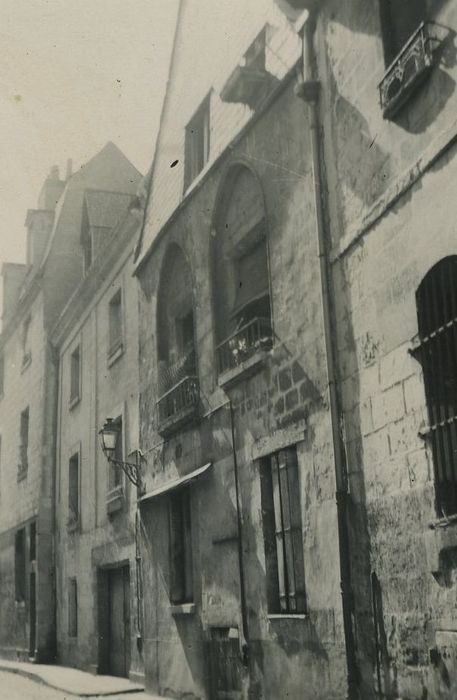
x: 282, y: 530
x: 436, y: 300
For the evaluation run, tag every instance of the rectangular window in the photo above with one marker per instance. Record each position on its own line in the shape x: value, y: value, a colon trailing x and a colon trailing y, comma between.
x: 115, y: 322
x: 26, y: 350
x: 2, y: 375
x: 399, y: 20
x: 72, y: 607
x: 282, y: 530
x: 32, y: 539
x: 19, y: 566
x: 73, y: 490
x: 181, y: 579
x: 75, y: 375
x: 24, y: 443
x: 115, y: 471
x: 197, y: 143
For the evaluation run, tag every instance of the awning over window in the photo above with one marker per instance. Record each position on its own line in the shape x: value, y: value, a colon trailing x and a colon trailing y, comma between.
x: 175, y: 483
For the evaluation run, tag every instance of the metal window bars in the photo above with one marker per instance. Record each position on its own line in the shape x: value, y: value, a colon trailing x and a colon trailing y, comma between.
x: 436, y: 300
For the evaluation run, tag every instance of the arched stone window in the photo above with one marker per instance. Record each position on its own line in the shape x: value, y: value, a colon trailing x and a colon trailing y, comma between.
x: 240, y: 271
x: 436, y: 300
x: 177, y: 367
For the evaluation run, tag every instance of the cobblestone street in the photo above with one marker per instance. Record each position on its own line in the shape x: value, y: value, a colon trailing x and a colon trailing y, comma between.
x: 15, y: 687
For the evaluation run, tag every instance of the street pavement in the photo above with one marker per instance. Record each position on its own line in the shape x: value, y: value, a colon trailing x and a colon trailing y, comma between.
x: 16, y: 687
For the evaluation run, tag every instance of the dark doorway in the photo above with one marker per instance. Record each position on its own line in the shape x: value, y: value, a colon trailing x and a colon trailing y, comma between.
x: 225, y: 664
x: 32, y: 615
x: 114, y: 621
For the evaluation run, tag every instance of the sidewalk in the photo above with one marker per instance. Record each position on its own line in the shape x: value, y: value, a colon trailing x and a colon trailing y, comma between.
x: 75, y: 682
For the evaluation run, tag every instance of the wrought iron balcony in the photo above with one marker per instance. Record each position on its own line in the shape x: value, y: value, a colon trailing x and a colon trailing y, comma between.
x: 246, y: 342
x: 407, y: 71
x: 178, y: 405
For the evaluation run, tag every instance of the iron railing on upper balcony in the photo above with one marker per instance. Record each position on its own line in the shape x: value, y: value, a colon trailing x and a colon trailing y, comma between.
x: 244, y: 343
x: 178, y: 403
x: 409, y: 68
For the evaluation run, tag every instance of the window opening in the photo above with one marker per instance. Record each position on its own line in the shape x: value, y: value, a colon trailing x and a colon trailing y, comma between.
x: 181, y: 579
x: 282, y: 528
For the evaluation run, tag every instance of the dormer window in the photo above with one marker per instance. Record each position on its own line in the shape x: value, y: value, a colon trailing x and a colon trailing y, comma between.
x: 197, y: 141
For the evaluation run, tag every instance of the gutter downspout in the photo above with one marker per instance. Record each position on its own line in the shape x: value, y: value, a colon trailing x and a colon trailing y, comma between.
x: 308, y: 90
x: 244, y: 640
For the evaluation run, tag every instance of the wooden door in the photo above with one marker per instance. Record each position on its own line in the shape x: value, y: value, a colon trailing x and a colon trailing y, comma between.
x: 119, y: 622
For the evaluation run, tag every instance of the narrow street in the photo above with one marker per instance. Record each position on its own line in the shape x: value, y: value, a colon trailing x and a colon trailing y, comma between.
x: 15, y: 687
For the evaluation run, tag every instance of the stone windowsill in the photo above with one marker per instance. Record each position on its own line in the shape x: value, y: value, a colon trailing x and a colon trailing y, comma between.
x: 74, y: 401
x: 115, y: 352
x: 287, y: 616
x: 244, y: 370
x: 183, y: 609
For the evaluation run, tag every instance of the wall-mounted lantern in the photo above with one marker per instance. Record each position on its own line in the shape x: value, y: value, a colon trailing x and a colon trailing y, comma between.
x: 109, y: 435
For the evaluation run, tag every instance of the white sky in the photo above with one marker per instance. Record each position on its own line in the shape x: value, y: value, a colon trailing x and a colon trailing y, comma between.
x: 74, y: 75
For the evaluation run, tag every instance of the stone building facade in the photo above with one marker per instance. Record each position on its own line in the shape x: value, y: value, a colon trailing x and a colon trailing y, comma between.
x: 33, y: 297
x: 240, y: 534
x: 305, y: 177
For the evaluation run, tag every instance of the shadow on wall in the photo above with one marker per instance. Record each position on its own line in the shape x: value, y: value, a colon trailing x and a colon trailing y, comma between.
x: 359, y: 16
x: 424, y: 107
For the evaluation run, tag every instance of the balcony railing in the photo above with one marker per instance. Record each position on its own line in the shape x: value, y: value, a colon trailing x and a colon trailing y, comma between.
x: 247, y: 341
x: 408, y: 70
x: 178, y: 405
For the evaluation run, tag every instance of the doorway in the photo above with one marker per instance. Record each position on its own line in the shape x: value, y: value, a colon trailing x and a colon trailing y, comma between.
x: 114, y: 621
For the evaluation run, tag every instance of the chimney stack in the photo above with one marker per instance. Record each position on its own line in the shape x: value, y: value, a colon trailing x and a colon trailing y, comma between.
x: 69, y: 169
x: 54, y: 173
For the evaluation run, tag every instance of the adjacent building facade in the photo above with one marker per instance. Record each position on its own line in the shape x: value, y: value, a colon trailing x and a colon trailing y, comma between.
x: 98, y: 602
x: 33, y: 297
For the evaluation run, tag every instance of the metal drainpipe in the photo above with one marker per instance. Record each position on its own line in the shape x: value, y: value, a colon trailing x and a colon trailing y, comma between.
x: 244, y: 615
x: 308, y: 90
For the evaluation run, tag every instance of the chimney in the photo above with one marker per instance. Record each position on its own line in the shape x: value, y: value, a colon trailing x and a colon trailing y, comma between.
x: 69, y: 169
x: 54, y: 173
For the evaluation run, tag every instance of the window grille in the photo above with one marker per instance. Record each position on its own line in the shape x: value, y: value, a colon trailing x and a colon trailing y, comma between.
x: 436, y: 300
x: 282, y: 529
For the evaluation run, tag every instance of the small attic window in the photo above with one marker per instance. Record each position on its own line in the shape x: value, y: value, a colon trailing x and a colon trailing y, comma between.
x: 197, y: 143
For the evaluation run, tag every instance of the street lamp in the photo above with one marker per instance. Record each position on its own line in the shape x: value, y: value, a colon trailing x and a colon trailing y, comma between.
x: 109, y: 435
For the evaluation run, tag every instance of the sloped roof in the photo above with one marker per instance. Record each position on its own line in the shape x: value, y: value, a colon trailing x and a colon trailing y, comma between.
x: 210, y: 40
x: 105, y: 209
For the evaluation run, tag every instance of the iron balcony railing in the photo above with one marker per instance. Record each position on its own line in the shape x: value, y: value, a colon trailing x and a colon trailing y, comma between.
x: 244, y: 343
x: 408, y: 70
x: 178, y: 404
